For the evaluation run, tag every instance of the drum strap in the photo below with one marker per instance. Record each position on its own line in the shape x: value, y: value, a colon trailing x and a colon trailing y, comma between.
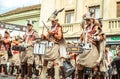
x: 29, y: 36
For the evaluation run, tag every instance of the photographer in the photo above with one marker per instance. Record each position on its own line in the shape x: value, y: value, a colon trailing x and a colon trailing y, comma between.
x: 27, y: 58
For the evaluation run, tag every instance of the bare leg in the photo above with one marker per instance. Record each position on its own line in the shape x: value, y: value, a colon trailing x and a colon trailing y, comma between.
x: 80, y: 74
x: 29, y: 71
x: 51, y: 73
x: 63, y: 72
x: 23, y: 70
x: 56, y: 67
x: 44, y: 70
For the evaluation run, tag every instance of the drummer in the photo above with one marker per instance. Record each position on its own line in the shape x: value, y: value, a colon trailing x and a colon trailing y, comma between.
x: 27, y: 55
x: 16, y: 55
x: 1, y: 54
x: 58, y: 51
x: 5, y: 50
x: 92, y: 35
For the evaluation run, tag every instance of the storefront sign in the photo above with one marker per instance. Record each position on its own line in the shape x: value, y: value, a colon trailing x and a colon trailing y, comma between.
x: 116, y: 38
x: 12, y: 26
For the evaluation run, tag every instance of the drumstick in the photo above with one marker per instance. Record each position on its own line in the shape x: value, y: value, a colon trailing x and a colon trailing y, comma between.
x: 43, y: 30
x: 45, y: 25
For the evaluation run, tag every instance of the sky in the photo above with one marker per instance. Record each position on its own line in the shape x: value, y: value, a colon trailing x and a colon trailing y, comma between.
x: 7, y: 5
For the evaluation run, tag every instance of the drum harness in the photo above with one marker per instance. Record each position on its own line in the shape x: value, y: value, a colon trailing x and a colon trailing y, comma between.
x: 25, y: 45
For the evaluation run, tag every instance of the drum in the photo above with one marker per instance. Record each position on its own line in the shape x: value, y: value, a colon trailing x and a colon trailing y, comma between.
x: 39, y: 48
x: 74, y: 48
x: 50, y: 44
x: 80, y: 48
x: 22, y: 48
x: 87, y: 46
x: 49, y: 47
x: 16, y: 48
x: 69, y: 69
x: 88, y: 71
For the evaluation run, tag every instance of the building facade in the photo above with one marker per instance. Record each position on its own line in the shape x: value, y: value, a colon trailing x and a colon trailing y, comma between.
x: 21, y: 16
x: 71, y: 17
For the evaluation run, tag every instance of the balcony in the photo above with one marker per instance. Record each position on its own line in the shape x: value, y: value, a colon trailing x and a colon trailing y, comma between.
x: 72, y: 30
x: 111, y: 26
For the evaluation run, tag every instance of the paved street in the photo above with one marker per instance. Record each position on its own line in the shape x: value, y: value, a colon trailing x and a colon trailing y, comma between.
x: 8, y: 77
x: 13, y: 77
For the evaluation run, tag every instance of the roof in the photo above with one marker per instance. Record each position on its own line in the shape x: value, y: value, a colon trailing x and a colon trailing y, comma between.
x: 22, y: 9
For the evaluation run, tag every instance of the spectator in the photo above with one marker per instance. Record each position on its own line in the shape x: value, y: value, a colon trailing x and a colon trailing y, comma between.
x: 117, y: 50
x: 116, y: 61
x: 109, y: 59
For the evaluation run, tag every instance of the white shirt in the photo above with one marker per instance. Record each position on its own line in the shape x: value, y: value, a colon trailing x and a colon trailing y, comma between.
x: 109, y: 55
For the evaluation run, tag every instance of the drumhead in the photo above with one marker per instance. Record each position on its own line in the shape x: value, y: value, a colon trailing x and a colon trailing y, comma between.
x: 39, y: 48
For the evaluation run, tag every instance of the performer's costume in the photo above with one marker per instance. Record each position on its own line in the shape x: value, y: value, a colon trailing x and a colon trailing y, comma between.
x: 27, y: 55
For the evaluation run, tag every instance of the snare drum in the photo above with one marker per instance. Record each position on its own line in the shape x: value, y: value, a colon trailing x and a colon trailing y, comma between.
x: 87, y: 46
x: 88, y: 71
x: 39, y: 48
x: 50, y: 44
x: 22, y: 48
x: 75, y: 49
x: 16, y: 48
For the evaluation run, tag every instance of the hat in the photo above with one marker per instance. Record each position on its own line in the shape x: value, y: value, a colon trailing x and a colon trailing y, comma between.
x: 88, y: 16
x: 53, y: 16
x: 28, y: 24
x: 7, y: 31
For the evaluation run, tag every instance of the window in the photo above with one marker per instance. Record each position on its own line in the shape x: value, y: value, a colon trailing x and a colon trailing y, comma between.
x: 97, y: 11
x: 69, y: 16
x: 118, y: 9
